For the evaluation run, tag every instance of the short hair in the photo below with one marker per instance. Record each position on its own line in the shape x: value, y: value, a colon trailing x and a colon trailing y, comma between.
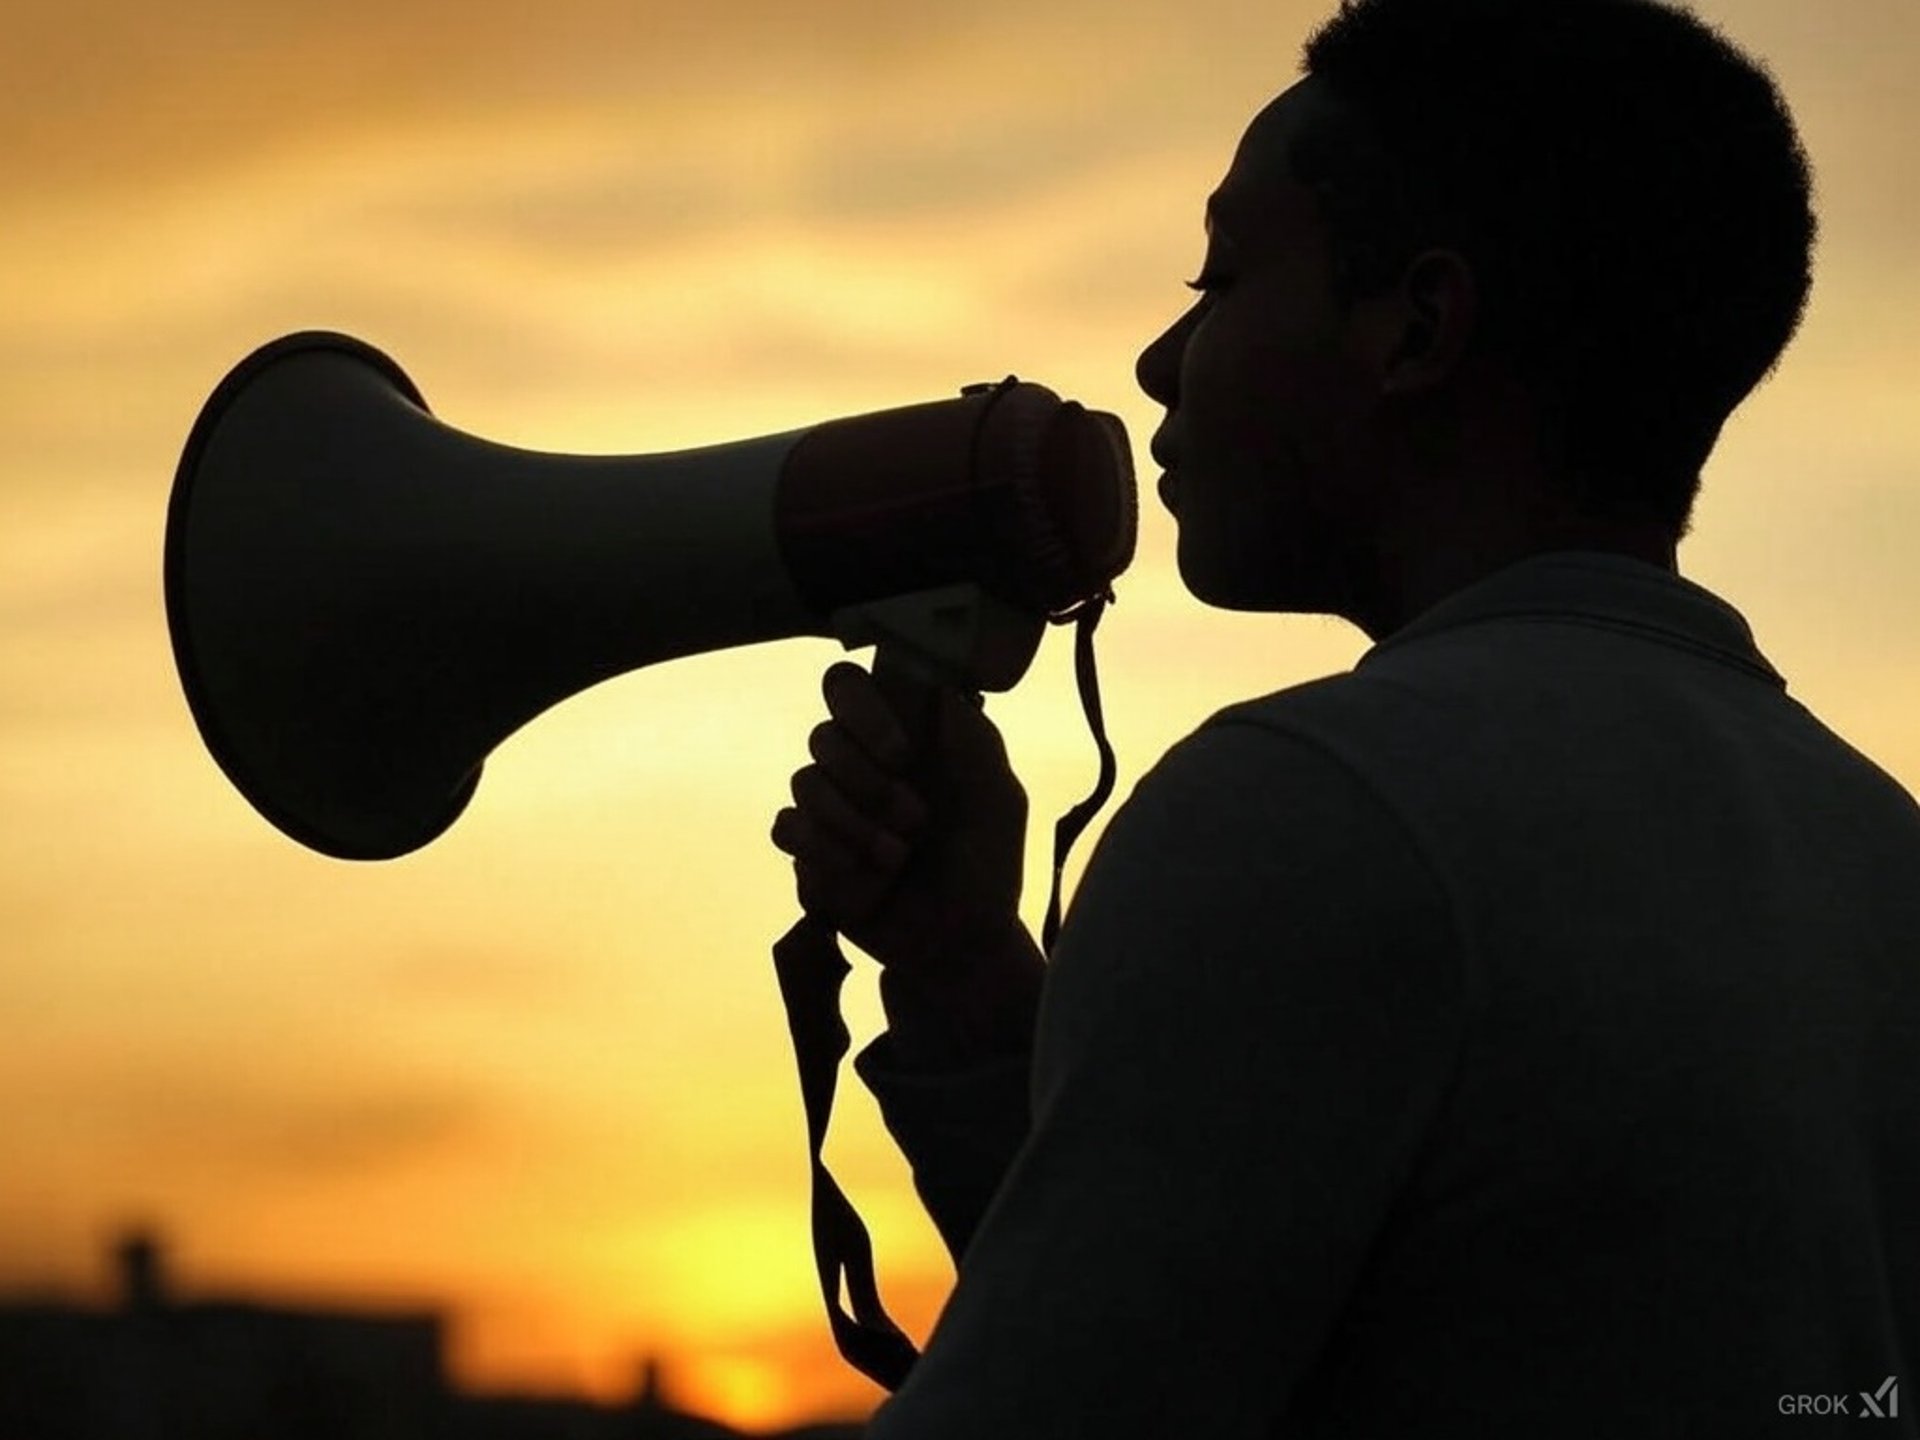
x: 1628, y: 188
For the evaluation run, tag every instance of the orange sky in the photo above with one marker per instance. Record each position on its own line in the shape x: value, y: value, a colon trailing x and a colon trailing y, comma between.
x: 539, y: 1071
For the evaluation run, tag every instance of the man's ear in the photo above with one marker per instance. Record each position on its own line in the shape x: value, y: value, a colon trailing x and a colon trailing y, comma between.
x: 1437, y: 306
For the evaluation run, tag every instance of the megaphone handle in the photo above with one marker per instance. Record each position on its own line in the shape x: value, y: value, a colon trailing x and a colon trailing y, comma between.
x: 911, y: 683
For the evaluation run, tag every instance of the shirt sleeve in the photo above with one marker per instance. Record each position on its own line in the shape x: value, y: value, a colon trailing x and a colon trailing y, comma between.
x: 959, y: 1130
x: 1249, y: 1020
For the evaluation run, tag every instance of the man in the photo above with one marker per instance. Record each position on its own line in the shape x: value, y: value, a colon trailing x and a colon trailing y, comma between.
x: 1518, y: 1035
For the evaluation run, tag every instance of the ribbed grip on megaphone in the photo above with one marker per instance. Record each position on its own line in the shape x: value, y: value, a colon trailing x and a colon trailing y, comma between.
x: 1011, y: 487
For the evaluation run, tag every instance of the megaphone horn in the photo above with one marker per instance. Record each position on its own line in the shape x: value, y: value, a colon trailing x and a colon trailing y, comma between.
x: 364, y: 601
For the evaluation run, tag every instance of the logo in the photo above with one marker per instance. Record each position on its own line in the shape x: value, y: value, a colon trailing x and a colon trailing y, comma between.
x: 1889, y: 1391
x: 1882, y: 1404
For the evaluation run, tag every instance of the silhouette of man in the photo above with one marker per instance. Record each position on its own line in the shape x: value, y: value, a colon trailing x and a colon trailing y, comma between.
x: 1517, y: 1035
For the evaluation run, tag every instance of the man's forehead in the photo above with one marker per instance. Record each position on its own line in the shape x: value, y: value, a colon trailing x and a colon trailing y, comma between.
x: 1258, y: 207
x: 1259, y: 193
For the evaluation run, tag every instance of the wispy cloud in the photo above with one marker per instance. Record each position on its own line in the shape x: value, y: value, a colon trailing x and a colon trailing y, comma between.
x: 549, y: 1049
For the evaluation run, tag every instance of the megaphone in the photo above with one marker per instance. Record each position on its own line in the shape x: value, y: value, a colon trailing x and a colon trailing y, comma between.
x: 364, y: 601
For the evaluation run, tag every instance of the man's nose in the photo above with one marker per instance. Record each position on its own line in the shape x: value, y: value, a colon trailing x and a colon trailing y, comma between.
x: 1157, y: 371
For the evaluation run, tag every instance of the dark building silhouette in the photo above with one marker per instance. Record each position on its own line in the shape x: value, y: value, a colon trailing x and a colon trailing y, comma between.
x: 154, y: 1368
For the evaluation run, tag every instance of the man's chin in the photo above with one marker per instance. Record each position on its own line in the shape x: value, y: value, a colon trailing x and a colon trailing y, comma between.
x: 1269, y: 588
x: 1217, y: 587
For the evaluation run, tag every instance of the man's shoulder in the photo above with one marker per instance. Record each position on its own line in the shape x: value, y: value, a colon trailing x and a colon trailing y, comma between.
x: 1309, y: 700
x: 1283, y: 728
x: 1302, y: 749
x: 1346, y: 717
x: 1409, y: 742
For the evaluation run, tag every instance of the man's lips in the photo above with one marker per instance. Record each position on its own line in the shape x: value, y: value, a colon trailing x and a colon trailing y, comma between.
x: 1169, y: 460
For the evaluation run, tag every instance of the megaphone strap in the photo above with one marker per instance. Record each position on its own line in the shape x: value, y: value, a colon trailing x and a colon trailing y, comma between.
x: 1068, y: 827
x: 811, y: 968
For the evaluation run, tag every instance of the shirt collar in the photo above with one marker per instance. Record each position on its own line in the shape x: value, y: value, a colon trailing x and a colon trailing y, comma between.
x: 1603, y: 587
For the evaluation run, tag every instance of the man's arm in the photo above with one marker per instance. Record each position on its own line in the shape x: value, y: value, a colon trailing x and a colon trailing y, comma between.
x: 1247, y: 1027
x: 951, y: 1075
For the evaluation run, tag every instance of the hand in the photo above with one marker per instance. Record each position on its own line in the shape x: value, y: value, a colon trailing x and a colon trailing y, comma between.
x: 917, y: 857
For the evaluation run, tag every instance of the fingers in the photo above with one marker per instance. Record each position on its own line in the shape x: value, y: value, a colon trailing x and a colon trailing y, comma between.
x: 880, y: 796
x: 832, y: 878
x: 843, y: 844
x: 846, y: 829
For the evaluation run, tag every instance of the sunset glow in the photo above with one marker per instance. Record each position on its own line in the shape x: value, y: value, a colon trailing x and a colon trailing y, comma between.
x: 537, y: 1074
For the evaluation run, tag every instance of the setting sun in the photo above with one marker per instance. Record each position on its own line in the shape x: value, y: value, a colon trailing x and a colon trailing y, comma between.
x: 537, y: 1076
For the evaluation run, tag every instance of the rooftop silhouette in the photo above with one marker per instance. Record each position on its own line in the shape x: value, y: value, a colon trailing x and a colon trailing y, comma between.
x: 155, y: 1367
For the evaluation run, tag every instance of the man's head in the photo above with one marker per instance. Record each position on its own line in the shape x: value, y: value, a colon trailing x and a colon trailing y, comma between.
x: 1486, y: 282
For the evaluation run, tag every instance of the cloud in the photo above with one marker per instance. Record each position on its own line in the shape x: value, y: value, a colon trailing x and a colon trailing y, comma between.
x: 252, y: 1125
x: 104, y: 91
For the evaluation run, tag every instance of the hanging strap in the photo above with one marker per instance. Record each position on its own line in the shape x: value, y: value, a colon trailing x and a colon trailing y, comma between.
x: 1067, y: 828
x: 811, y: 968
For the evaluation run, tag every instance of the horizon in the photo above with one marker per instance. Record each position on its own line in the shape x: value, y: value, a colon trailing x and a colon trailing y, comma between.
x: 540, y: 1067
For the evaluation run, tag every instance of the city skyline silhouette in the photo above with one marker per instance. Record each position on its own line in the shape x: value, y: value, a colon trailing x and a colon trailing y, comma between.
x: 159, y: 1365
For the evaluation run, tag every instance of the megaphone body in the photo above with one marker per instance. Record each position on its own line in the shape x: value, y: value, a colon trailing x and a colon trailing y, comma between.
x: 364, y: 601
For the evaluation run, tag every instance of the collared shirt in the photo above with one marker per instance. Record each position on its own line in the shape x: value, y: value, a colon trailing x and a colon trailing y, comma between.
x: 1515, y: 1036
